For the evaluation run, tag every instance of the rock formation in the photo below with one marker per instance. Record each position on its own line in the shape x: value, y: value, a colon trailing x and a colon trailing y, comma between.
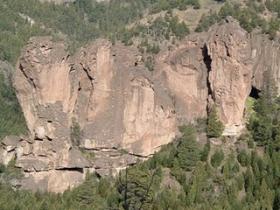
x: 103, y: 101
x: 230, y: 72
x: 58, y: 1
x: 105, y: 92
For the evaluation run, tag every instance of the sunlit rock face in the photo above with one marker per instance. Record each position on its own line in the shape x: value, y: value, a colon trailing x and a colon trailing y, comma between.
x: 103, y: 100
x: 110, y: 96
x: 230, y: 72
x: 58, y: 1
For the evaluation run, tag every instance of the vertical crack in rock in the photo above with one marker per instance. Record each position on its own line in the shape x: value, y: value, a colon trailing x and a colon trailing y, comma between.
x: 88, y: 75
x: 207, y: 61
x: 91, y: 79
x: 31, y: 80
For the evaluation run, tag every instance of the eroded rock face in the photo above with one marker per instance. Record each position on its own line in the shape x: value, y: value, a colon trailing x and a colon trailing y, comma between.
x: 58, y: 1
x: 265, y: 55
x: 183, y: 73
x: 239, y: 62
x: 230, y: 72
x: 103, y: 90
x: 116, y: 103
x: 103, y: 100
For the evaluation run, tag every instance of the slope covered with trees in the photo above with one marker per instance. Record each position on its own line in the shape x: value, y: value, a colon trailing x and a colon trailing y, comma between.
x: 183, y: 175
x: 80, y: 22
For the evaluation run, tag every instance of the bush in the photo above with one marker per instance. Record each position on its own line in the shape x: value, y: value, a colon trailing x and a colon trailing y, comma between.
x: 230, y: 168
x: 179, y: 174
x: 205, y: 152
x: 149, y: 63
x: 206, y: 21
x: 76, y: 133
x: 243, y: 158
x: 179, y: 29
x: 217, y: 158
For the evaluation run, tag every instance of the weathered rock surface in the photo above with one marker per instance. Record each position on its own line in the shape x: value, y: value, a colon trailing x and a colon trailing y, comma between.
x: 58, y: 1
x: 105, y: 91
x: 230, y: 72
x: 239, y: 62
x: 103, y: 100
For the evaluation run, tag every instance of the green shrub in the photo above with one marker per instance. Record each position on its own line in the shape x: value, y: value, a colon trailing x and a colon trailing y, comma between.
x: 154, y: 48
x: 230, y: 167
x: 12, y: 121
x: 217, y: 158
x: 205, y: 151
x: 149, y: 63
x: 243, y: 158
x: 76, y: 133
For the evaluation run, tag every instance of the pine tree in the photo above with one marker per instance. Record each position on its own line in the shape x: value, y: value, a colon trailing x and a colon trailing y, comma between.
x: 266, y: 196
x: 215, y: 127
x: 205, y: 151
x: 188, y: 150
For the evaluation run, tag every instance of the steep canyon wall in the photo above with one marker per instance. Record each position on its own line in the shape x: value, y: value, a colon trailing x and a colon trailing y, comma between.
x: 118, y: 109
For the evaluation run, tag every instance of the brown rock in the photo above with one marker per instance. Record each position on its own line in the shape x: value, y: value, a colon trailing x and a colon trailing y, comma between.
x: 55, y: 180
x: 114, y: 103
x: 230, y: 71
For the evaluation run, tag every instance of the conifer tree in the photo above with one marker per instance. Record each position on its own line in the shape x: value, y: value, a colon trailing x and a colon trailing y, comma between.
x: 215, y: 127
x: 188, y: 151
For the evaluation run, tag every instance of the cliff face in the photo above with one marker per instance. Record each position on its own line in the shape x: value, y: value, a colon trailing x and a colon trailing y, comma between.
x: 230, y: 73
x: 106, y: 92
x: 58, y: 1
x: 103, y: 99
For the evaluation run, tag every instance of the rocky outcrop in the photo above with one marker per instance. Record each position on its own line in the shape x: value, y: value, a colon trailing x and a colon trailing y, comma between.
x: 58, y: 1
x: 103, y: 102
x: 240, y: 63
x: 230, y: 72
x: 10, y: 146
x: 102, y: 99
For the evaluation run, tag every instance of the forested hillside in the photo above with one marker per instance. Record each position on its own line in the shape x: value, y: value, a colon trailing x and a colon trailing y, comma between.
x: 86, y: 20
x: 80, y: 22
x: 200, y: 169
x: 184, y: 174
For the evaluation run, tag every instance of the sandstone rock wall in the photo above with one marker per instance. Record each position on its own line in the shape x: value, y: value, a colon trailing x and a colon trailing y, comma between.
x: 230, y: 72
x: 103, y: 100
x: 58, y: 1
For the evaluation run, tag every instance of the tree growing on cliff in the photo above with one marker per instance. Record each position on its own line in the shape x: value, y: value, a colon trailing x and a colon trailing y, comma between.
x: 215, y: 127
x: 188, y: 152
x: 76, y: 133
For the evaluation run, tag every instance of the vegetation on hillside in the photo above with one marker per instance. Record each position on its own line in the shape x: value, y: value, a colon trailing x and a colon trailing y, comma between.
x: 12, y: 121
x: 215, y: 127
x: 183, y: 175
x: 252, y: 15
x: 87, y: 20
x: 80, y: 22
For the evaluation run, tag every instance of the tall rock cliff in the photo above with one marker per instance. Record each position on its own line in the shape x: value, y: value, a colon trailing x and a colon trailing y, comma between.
x: 228, y: 52
x: 103, y: 100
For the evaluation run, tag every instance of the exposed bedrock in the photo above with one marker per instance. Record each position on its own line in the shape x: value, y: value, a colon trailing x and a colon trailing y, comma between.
x: 104, y: 101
